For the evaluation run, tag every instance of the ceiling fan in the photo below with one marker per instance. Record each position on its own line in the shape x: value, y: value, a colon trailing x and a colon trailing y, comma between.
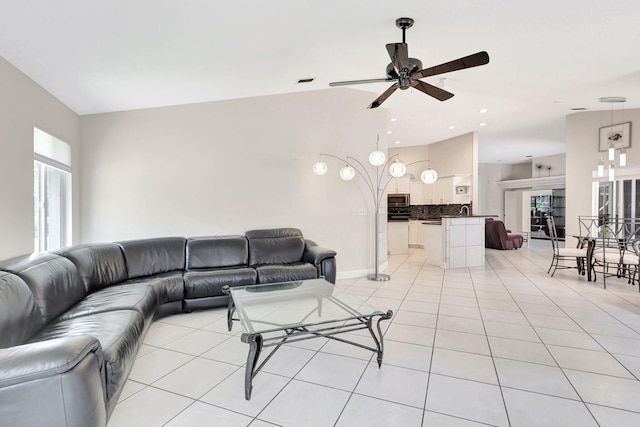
x: 406, y: 72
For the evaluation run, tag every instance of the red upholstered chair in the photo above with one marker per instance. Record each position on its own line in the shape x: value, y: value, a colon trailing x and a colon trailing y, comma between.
x: 496, y: 236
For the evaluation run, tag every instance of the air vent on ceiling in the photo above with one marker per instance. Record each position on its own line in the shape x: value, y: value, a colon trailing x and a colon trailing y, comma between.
x: 309, y: 80
x: 578, y: 109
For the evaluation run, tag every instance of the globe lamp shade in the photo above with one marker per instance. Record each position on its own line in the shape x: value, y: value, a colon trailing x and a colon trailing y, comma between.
x: 319, y: 168
x: 377, y: 158
x: 397, y: 169
x: 347, y: 173
x: 429, y: 176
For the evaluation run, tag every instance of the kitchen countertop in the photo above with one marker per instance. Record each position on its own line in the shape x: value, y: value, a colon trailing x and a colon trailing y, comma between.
x: 469, y: 216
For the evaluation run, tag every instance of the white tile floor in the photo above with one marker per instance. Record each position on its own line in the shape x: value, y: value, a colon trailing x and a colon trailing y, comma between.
x: 503, y: 345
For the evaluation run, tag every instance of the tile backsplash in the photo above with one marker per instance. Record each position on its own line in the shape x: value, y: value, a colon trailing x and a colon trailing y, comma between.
x: 436, y: 211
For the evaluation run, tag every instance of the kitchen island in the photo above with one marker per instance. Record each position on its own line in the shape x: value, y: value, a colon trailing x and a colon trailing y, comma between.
x: 455, y: 242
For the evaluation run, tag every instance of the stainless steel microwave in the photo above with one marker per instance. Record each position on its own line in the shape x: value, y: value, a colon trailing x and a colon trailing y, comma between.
x: 398, y: 200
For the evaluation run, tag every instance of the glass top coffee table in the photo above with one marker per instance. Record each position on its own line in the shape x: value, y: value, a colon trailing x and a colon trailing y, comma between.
x: 277, y: 313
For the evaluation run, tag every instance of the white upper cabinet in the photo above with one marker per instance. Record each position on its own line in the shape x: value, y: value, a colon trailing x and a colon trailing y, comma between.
x: 446, y: 191
x: 417, y: 192
x: 400, y: 185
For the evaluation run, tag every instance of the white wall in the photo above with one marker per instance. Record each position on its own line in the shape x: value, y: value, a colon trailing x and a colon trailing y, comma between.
x: 412, y: 154
x: 227, y: 167
x: 583, y: 130
x: 23, y: 105
x: 490, y: 195
x: 557, y: 163
x: 455, y: 155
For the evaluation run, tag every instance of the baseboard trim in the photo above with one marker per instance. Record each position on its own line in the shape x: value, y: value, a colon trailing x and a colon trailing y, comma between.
x: 352, y: 274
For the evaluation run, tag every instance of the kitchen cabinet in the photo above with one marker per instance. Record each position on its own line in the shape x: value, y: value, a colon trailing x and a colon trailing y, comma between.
x: 398, y: 237
x: 400, y: 185
x: 427, y: 194
x: 416, y: 192
x: 416, y: 233
x: 462, y: 189
x: 413, y: 233
x: 448, y: 190
x: 421, y: 230
x: 433, y: 244
x: 440, y: 192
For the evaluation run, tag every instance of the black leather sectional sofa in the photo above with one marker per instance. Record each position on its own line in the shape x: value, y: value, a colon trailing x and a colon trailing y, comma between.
x: 71, y: 321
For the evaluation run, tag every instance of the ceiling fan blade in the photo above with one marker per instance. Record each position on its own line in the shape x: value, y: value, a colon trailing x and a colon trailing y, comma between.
x: 431, y: 90
x: 480, y: 58
x: 358, y: 82
x: 399, y: 55
x: 387, y: 93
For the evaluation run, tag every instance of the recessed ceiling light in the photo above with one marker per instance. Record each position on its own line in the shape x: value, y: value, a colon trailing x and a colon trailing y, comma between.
x: 483, y: 124
x: 307, y: 80
x: 389, y: 132
x: 393, y: 119
x: 484, y: 110
x: 397, y: 142
x: 452, y: 127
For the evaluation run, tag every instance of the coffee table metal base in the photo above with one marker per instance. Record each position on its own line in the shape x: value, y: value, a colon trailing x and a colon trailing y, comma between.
x: 328, y: 329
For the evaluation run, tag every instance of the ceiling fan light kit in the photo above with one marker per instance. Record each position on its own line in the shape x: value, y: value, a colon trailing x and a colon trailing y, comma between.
x: 406, y: 72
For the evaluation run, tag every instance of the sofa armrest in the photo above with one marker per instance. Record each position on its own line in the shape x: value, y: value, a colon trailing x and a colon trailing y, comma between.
x: 43, y: 359
x: 315, y: 254
x: 54, y: 382
x: 323, y: 259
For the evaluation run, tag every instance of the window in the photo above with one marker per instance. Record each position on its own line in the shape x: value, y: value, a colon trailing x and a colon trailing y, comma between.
x: 51, y: 192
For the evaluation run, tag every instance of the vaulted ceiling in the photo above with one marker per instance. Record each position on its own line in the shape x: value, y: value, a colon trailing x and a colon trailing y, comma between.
x: 548, y: 57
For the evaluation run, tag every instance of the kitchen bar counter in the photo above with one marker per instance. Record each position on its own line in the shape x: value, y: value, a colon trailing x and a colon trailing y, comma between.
x: 458, y: 242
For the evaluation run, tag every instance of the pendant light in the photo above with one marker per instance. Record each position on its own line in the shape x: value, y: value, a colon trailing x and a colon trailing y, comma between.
x: 623, y: 157
x: 612, y: 145
x: 600, y: 168
x: 612, y: 173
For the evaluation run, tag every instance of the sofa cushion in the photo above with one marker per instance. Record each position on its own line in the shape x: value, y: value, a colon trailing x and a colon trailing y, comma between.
x: 275, y: 246
x: 120, y: 334
x: 140, y: 297
x: 99, y: 265
x: 20, y: 316
x: 168, y: 286
x: 209, y: 283
x: 286, y: 273
x: 147, y: 257
x: 53, y: 280
x: 217, y: 252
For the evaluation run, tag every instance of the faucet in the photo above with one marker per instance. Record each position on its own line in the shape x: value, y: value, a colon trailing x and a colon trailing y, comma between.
x: 463, y: 208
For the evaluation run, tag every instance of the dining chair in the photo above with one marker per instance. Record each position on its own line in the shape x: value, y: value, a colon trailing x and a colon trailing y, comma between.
x: 614, y: 252
x: 578, y: 255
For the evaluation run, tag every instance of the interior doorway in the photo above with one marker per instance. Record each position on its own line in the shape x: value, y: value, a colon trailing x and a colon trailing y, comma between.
x: 546, y: 203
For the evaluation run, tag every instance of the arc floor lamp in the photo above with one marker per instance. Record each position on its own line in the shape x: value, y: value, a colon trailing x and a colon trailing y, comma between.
x: 377, y: 186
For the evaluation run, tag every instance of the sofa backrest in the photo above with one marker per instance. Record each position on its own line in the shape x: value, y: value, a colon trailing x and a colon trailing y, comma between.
x: 217, y: 252
x: 20, y: 316
x: 146, y: 257
x: 99, y: 265
x: 53, y: 280
x: 275, y: 246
